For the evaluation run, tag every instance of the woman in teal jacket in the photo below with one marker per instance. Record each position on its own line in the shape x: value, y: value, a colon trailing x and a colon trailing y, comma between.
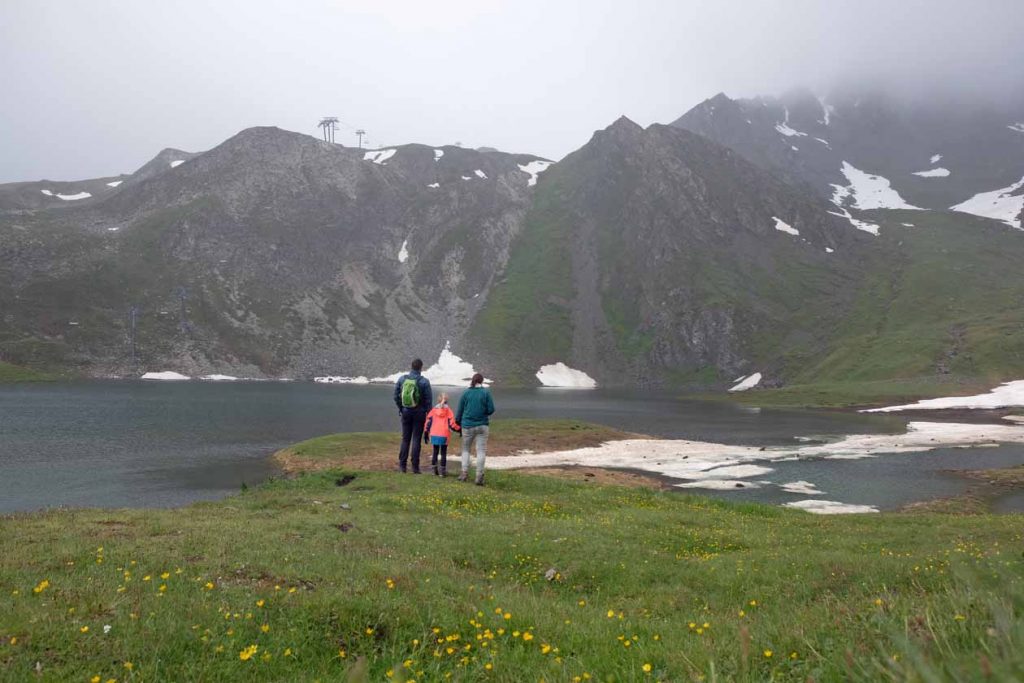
x: 475, y: 409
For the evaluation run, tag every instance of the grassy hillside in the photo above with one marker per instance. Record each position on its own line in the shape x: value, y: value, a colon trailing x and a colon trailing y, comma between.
x: 14, y: 373
x: 940, y: 313
x: 349, y: 574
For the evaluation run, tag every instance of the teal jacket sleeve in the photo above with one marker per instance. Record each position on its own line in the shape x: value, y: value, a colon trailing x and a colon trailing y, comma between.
x: 490, y: 404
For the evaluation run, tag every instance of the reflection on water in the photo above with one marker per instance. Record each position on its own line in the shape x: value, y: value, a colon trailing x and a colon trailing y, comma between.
x: 114, y: 444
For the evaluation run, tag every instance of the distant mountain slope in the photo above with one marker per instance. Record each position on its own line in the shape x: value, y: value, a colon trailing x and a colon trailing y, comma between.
x: 273, y: 253
x: 652, y: 255
x: 934, y: 154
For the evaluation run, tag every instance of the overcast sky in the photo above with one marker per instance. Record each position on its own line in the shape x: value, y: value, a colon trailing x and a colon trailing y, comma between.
x: 97, y: 88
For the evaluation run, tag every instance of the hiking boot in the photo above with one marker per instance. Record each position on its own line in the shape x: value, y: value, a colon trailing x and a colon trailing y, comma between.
x: 479, y: 481
x: 436, y: 472
x: 462, y: 475
x: 444, y: 472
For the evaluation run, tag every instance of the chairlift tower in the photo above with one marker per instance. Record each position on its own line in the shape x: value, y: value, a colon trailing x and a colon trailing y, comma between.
x: 329, y: 124
x: 360, y: 133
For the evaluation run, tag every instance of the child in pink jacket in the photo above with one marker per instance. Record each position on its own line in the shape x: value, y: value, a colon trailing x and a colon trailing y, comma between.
x: 438, y: 428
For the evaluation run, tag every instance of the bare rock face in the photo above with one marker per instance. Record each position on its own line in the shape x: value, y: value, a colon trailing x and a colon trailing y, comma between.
x: 656, y: 255
x: 272, y: 254
x: 935, y: 152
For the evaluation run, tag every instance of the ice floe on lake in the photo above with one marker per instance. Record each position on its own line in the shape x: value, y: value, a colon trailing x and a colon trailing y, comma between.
x: 748, y: 382
x: 700, y: 461
x: 801, y: 487
x: 165, y: 375
x: 534, y: 169
x: 783, y: 226
x: 830, y: 507
x: 933, y: 173
x: 219, y: 378
x: 1007, y: 395
x: 1002, y: 205
x: 379, y: 156
x: 333, y: 379
x: 561, y: 375
x: 719, y: 484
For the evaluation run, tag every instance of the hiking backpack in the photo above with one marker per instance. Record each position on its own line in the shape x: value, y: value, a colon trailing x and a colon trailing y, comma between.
x: 410, y: 392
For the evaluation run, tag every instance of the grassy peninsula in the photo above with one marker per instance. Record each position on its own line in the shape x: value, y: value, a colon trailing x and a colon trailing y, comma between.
x: 348, y: 572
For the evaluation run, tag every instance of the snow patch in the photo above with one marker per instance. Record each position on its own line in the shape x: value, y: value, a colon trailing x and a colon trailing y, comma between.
x: 466, y: 177
x: 748, y: 382
x: 448, y: 371
x: 1002, y: 205
x: 1006, y: 395
x: 219, y: 378
x: 907, y: 225
x: 829, y: 250
x: 857, y: 223
x: 534, y: 169
x: 380, y: 156
x: 935, y: 158
x: 802, y: 487
x: 177, y: 162
x: 114, y: 183
x: 438, y: 153
x: 47, y: 193
x: 1019, y: 127
x: 480, y: 174
x: 74, y: 197
x: 165, y: 375
x: 332, y: 379
x: 826, y: 110
x: 783, y: 226
x: 114, y: 229
x: 434, y: 185
x: 794, y: 148
x: 870, y: 191
x: 830, y: 507
x: 824, y: 142
x: 933, y: 173
x: 561, y: 375
x: 787, y: 131
x: 403, y: 253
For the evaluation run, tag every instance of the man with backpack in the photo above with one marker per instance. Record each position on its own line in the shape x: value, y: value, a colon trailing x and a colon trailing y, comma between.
x: 413, y: 398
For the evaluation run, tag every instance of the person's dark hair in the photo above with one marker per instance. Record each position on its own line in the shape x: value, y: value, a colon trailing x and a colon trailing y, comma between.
x: 478, y: 379
x: 417, y: 365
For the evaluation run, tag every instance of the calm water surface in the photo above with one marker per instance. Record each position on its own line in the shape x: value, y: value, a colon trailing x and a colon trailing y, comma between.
x: 117, y: 444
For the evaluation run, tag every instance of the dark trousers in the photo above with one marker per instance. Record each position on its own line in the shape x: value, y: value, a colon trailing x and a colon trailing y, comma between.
x: 443, y: 449
x: 412, y: 435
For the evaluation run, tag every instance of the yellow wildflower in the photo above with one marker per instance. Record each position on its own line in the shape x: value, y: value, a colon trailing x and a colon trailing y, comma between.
x: 84, y: 629
x: 646, y: 668
x: 545, y: 648
x: 129, y: 666
x: 527, y: 636
x: 342, y: 654
x: 265, y: 628
x: 768, y: 654
x: 246, y: 654
x: 611, y: 614
x: 260, y: 603
x: 165, y: 576
x: 41, y: 586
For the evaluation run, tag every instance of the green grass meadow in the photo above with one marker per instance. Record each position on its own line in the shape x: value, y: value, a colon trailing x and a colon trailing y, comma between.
x: 415, y: 578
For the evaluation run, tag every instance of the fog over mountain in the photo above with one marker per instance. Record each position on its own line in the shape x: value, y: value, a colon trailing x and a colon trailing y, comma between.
x: 93, y: 89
